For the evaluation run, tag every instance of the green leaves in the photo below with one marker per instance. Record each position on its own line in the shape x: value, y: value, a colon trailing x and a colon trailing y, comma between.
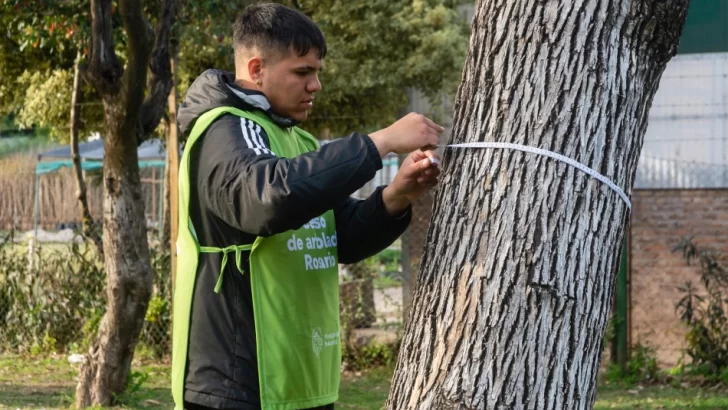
x: 378, y: 51
x: 46, y: 102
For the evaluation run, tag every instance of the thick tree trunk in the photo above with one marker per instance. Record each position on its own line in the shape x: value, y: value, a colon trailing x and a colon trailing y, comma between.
x: 130, y: 117
x: 517, y: 276
x: 128, y: 270
x: 91, y: 232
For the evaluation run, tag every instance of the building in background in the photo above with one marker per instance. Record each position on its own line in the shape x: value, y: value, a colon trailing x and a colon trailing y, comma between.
x: 681, y: 186
x: 686, y: 144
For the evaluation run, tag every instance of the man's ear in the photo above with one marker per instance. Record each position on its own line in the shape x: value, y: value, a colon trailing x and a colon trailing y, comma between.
x: 255, y: 66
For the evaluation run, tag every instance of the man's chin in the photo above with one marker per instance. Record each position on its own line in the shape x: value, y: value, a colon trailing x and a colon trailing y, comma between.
x: 300, y: 116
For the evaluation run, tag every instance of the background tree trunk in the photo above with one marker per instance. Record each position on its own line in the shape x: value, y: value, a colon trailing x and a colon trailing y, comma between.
x: 518, y: 272
x: 91, y: 232
x: 172, y: 168
x: 130, y: 117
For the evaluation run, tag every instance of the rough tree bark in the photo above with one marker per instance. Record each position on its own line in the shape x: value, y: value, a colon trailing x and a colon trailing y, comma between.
x: 518, y: 272
x: 129, y: 119
x: 91, y: 232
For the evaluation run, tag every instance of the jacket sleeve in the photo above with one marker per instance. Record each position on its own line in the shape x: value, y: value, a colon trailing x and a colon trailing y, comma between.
x: 363, y: 227
x: 245, y: 184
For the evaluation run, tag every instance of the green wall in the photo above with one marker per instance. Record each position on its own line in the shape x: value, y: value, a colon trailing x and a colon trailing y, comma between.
x: 706, y: 30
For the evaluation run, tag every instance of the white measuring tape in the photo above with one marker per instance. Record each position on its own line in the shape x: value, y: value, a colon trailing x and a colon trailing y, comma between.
x: 550, y: 154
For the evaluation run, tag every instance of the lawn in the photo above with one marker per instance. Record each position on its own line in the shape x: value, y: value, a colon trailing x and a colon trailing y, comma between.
x: 48, y: 383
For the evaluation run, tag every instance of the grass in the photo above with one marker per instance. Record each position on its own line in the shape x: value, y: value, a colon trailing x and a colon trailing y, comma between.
x: 48, y: 383
x: 661, y: 397
x: 384, y: 282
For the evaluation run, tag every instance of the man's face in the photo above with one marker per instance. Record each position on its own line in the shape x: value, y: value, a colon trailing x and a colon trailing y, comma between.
x: 290, y: 83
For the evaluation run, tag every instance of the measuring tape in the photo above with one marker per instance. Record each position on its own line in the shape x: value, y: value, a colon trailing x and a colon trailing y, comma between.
x: 550, y: 154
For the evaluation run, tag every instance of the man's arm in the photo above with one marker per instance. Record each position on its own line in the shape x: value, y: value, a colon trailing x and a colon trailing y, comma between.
x: 246, y: 185
x: 365, y: 227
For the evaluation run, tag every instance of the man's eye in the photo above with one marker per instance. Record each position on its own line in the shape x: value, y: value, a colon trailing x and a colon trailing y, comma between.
x: 301, y: 73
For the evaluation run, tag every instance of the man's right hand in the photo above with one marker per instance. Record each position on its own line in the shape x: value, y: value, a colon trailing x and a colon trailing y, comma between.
x: 409, y: 133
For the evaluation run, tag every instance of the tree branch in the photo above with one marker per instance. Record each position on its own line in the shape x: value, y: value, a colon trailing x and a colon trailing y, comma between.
x: 161, y: 81
x: 140, y: 37
x: 105, y: 70
x: 89, y: 227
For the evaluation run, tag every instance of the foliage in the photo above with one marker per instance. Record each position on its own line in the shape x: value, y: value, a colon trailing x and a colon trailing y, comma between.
x: 379, y: 49
x: 641, y: 367
x: 705, y: 313
x: 27, y: 145
x: 371, y: 356
x: 157, y: 330
x: 135, y: 391
x: 38, y: 36
x: 44, y: 305
x: 47, y: 100
x: 56, y: 304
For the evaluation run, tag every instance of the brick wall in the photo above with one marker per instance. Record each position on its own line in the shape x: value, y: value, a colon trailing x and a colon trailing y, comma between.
x: 659, y: 219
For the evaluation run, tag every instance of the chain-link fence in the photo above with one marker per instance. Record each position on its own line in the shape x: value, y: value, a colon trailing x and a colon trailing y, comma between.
x: 371, y: 291
x: 53, y: 296
x: 670, y: 173
x: 52, y: 289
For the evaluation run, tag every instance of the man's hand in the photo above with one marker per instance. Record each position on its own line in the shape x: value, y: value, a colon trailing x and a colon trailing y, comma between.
x: 417, y: 174
x: 411, y: 132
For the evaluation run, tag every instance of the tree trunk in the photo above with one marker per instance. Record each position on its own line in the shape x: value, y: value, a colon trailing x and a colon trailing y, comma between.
x: 165, y: 228
x: 91, y: 232
x: 172, y: 211
x: 517, y: 276
x: 129, y: 118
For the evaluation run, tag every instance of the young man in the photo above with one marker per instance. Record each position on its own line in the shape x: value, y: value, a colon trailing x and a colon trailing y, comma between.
x: 265, y: 218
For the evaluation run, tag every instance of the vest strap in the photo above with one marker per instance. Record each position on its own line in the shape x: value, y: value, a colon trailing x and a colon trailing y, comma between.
x: 238, y: 249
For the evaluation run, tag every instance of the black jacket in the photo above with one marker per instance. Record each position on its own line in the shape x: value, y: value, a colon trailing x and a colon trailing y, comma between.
x: 240, y: 190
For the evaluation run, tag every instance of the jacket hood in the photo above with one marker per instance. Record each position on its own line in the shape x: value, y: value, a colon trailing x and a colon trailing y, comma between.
x: 216, y: 88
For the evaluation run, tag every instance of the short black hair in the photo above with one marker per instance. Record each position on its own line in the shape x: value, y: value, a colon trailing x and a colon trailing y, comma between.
x: 272, y: 27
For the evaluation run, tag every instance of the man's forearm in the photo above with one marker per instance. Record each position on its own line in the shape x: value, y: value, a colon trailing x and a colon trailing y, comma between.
x: 393, y: 203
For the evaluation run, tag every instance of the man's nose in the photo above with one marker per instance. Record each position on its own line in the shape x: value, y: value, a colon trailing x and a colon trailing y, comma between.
x: 314, y: 85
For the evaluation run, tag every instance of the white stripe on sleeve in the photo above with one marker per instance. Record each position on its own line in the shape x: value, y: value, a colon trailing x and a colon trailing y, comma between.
x: 247, y: 137
x: 255, y: 135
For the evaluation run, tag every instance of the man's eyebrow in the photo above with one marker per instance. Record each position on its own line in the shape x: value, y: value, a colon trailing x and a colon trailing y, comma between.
x: 310, y: 67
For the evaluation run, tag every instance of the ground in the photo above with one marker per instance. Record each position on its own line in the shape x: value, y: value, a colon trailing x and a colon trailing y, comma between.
x: 48, y: 383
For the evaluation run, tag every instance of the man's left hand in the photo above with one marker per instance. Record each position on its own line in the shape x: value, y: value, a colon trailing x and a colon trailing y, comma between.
x: 418, y: 174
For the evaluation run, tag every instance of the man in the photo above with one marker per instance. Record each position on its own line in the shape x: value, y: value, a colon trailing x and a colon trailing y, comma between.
x: 265, y: 218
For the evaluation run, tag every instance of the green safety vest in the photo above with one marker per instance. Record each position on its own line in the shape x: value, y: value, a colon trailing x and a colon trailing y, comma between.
x: 295, y: 288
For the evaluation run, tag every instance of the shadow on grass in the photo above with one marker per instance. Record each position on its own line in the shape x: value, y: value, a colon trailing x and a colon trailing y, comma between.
x: 19, y: 396
x: 35, y: 397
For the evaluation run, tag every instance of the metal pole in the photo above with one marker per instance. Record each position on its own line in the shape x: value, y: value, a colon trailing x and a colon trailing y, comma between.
x: 36, y: 211
x: 622, y: 292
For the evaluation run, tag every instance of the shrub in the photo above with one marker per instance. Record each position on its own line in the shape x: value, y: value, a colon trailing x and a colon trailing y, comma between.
x: 705, y: 313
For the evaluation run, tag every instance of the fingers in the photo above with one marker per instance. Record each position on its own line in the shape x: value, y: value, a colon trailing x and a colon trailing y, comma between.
x: 427, y: 169
x: 434, y: 158
x: 431, y: 131
x: 419, y: 155
x: 437, y: 128
x: 427, y: 181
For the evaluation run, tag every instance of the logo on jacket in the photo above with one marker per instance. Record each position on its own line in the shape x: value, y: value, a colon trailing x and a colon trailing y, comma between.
x: 317, y: 340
